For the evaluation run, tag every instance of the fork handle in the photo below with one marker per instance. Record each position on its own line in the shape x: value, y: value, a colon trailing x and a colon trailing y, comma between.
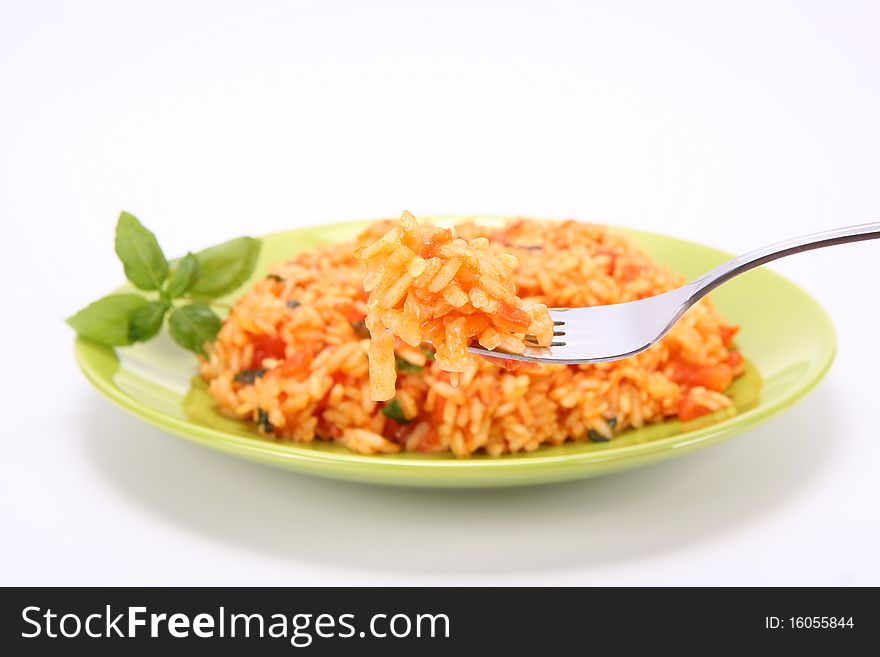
x: 723, y: 273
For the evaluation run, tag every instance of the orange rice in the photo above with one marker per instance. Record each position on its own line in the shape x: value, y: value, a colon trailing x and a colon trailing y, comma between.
x: 293, y: 354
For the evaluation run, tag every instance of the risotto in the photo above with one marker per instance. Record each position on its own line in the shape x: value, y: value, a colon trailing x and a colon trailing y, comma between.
x: 294, y: 355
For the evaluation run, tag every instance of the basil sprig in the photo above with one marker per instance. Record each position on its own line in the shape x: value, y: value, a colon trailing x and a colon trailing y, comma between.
x: 185, y: 288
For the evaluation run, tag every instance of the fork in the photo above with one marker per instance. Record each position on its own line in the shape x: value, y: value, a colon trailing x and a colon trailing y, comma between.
x: 613, y: 332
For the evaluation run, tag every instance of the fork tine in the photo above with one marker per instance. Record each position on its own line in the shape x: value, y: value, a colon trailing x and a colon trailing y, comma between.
x: 603, y: 333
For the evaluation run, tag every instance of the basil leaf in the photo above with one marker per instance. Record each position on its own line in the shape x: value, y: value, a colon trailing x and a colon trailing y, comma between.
x: 403, y: 365
x: 225, y: 267
x: 107, y: 320
x: 184, y: 277
x: 249, y: 376
x: 145, y: 322
x: 194, y: 325
x: 137, y: 248
x: 393, y: 411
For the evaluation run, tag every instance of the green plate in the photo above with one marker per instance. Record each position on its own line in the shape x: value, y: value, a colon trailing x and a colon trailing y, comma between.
x: 786, y: 337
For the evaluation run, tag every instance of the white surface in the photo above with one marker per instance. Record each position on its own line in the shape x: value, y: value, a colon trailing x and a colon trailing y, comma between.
x: 734, y: 126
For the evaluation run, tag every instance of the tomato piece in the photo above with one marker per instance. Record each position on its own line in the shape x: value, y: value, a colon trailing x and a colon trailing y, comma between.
x: 267, y: 346
x: 713, y: 377
x: 689, y: 409
x: 389, y: 429
x: 717, y: 377
x: 727, y: 334
x: 512, y: 319
x: 326, y: 429
x: 299, y: 361
x: 734, y: 359
x: 397, y: 432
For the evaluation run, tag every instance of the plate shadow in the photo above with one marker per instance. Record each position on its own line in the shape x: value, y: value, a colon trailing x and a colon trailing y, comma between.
x: 546, y: 528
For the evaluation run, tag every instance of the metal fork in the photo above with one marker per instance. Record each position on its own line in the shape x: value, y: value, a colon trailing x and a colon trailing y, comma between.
x: 617, y: 331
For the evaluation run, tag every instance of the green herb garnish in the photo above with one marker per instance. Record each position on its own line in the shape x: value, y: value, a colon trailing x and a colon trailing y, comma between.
x: 275, y: 277
x: 193, y: 325
x: 293, y: 303
x: 429, y: 353
x: 263, y: 421
x: 392, y: 410
x: 145, y: 264
x: 225, y: 267
x: 185, y: 288
x: 597, y: 437
x: 403, y: 365
x: 249, y: 375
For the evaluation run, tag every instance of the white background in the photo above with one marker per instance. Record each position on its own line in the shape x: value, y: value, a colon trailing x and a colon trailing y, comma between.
x: 734, y: 124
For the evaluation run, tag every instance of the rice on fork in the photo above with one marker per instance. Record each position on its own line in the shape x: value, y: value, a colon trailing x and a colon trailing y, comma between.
x: 427, y: 285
